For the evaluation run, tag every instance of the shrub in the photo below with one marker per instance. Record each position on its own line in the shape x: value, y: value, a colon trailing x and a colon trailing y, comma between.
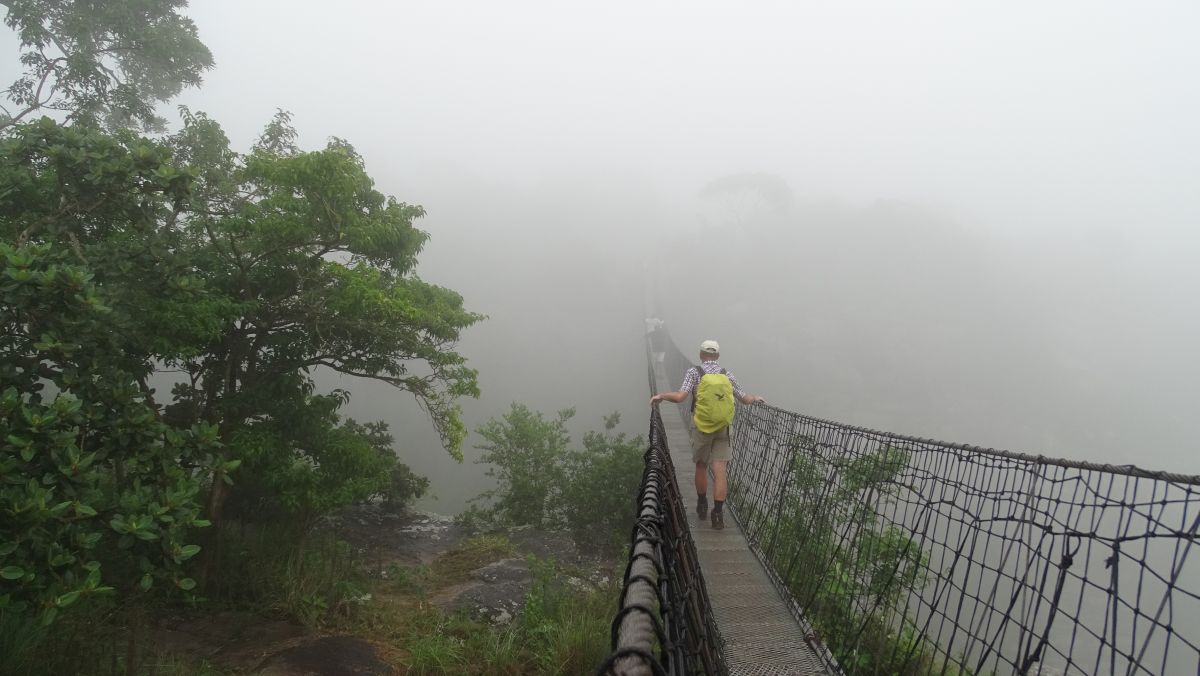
x: 98, y: 494
x: 602, y: 481
x: 867, y: 565
x: 541, y: 481
x: 526, y: 452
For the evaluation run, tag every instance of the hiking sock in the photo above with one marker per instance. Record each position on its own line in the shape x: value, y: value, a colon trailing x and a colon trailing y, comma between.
x: 717, y: 505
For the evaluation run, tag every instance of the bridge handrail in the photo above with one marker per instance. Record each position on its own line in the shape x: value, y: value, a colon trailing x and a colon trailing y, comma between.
x: 664, y: 622
x: 915, y: 555
x: 1124, y: 470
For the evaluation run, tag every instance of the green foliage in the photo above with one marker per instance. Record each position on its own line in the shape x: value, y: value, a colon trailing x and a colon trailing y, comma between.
x: 316, y: 268
x: 105, y: 637
x: 99, y: 494
x: 831, y: 526
x: 434, y: 652
x: 560, y: 629
x: 563, y: 630
x: 105, y: 205
x: 310, y: 463
x: 602, y: 482
x: 245, y: 274
x: 312, y: 578
x: 96, y: 491
x: 400, y: 486
x: 79, y: 642
x: 526, y: 452
x: 543, y: 482
x: 103, y: 61
x: 121, y: 256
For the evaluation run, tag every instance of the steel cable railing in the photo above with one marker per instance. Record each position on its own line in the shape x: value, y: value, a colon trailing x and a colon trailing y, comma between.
x: 914, y: 556
x: 664, y: 620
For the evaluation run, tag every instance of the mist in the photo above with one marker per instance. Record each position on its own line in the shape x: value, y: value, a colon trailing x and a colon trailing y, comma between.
x: 947, y: 220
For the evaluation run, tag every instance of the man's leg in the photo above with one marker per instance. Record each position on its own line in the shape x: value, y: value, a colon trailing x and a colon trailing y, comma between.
x: 720, y: 456
x: 701, y: 489
x: 701, y: 448
x: 719, y: 486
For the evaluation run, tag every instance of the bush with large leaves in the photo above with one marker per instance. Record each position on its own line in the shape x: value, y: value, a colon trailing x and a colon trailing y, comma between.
x: 95, y: 491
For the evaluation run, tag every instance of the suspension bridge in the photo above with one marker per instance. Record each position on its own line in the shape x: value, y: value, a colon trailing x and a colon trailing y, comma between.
x: 855, y: 551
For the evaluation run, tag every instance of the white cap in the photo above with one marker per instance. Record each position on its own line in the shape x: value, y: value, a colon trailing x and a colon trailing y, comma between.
x: 710, y: 346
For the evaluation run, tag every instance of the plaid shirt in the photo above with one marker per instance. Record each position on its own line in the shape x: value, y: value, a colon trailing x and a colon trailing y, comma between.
x: 691, y: 378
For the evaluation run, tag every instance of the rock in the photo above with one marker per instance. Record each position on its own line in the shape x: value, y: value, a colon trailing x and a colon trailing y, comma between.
x: 327, y: 656
x: 495, y: 591
x: 505, y: 570
x: 502, y: 617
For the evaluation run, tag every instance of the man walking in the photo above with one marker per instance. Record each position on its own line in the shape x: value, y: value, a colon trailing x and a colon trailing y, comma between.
x: 712, y: 389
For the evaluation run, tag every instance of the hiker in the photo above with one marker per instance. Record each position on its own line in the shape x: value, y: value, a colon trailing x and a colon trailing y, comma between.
x: 713, y: 388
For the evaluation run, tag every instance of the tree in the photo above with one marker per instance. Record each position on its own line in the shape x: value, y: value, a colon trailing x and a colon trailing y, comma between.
x: 97, y: 492
x: 739, y: 199
x: 109, y: 62
x: 600, y: 480
x: 542, y: 481
x: 247, y: 274
x: 309, y: 267
x: 527, y: 451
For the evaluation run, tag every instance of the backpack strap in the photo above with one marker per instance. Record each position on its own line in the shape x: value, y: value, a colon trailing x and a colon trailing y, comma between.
x: 696, y: 389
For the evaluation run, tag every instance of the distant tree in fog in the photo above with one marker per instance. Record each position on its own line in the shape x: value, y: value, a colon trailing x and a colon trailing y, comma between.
x: 738, y: 198
x: 110, y: 62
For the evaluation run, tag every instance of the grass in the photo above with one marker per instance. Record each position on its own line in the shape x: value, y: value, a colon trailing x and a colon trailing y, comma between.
x: 455, y: 567
x: 91, y: 640
x: 321, y: 582
x: 561, y: 630
x: 434, y: 651
x: 309, y: 578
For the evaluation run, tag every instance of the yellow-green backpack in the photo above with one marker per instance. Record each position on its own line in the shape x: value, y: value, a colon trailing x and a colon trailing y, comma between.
x: 712, y: 401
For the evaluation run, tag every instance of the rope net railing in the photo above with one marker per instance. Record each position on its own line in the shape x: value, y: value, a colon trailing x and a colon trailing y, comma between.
x: 664, y: 622
x: 914, y: 556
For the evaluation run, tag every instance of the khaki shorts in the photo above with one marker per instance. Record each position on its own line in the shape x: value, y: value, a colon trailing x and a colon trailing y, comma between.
x: 710, y: 446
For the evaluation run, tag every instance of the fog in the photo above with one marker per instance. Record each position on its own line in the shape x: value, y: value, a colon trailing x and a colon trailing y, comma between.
x: 944, y: 219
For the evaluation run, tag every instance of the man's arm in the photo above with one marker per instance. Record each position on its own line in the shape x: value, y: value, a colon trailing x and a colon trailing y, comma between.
x: 676, y: 396
x: 742, y: 395
x: 685, y: 390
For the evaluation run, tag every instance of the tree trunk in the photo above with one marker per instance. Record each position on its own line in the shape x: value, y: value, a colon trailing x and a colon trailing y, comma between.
x: 218, y: 492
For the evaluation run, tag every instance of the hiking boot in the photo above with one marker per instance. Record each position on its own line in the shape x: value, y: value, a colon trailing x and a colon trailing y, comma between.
x: 718, y: 520
x: 702, y: 509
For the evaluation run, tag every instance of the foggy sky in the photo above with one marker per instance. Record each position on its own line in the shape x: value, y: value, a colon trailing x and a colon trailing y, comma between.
x: 1023, y: 115
x: 1023, y: 174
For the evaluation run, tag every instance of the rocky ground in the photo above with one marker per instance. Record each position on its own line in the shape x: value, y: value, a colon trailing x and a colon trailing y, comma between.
x: 387, y: 543
x: 494, y: 590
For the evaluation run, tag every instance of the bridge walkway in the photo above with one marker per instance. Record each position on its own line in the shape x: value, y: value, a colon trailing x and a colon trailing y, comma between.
x: 761, y: 636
